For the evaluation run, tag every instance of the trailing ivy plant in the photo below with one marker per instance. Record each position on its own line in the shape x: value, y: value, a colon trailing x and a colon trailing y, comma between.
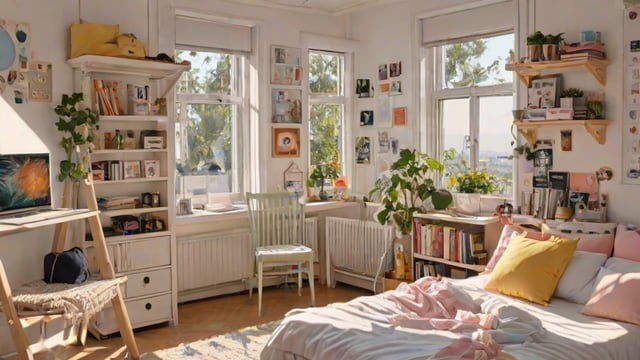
x: 78, y: 128
x: 412, y: 182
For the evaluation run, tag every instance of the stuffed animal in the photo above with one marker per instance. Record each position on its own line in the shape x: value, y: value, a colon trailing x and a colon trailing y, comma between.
x: 102, y: 39
x: 127, y: 45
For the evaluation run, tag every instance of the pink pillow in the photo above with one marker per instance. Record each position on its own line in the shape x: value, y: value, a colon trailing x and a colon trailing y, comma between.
x: 627, y: 243
x: 600, y: 243
x: 616, y: 296
x: 508, y: 232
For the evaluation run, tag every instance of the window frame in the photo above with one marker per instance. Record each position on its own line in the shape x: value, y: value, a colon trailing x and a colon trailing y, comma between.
x: 238, y: 97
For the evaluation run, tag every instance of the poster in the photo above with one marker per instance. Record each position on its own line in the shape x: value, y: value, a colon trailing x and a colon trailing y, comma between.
x: 631, y: 99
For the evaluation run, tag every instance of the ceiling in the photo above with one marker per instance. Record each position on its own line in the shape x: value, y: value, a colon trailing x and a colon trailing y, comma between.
x: 333, y: 7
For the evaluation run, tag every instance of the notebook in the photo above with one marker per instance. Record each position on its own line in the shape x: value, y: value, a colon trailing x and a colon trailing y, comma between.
x: 25, y: 190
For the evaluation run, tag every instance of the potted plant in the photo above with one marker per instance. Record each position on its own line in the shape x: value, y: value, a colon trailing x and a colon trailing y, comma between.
x: 550, y: 46
x: 534, y: 45
x: 411, y: 184
x: 78, y: 125
x: 320, y: 172
x: 595, y: 109
x: 569, y: 97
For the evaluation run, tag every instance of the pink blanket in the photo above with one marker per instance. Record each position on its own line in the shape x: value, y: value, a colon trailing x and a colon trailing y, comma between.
x: 433, y: 303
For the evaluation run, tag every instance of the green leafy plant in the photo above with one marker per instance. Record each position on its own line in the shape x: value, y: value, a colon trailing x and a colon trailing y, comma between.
x: 594, y: 108
x: 411, y: 183
x: 553, y: 39
x: 78, y: 127
x: 465, y: 180
x: 572, y: 93
x: 537, y: 38
x: 330, y: 170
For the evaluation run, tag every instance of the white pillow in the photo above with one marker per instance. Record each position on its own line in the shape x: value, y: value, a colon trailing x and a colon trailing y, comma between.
x: 578, y: 280
x: 621, y: 265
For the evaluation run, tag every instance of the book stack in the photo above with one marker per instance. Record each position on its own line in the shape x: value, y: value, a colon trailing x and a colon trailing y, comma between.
x: 580, y: 113
x: 582, y: 51
x: 118, y: 202
x: 107, y: 99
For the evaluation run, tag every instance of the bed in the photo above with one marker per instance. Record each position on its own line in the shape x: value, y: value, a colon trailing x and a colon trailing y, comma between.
x: 587, y: 315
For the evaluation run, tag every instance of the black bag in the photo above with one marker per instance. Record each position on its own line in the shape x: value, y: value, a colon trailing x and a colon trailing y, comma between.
x: 69, y: 266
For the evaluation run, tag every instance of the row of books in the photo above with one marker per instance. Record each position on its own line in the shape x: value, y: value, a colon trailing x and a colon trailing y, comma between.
x: 118, y: 202
x: 106, y: 97
x: 585, y: 54
x: 450, y: 243
x: 428, y: 268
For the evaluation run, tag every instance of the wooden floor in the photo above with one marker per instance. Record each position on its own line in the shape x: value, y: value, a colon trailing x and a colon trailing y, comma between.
x: 205, y: 318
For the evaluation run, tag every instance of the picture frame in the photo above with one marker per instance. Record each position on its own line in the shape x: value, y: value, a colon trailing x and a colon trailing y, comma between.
x: 396, y: 88
x: 395, y: 69
x: 285, y: 65
x: 363, y: 150
x: 184, y: 207
x: 366, y: 118
x: 363, y: 88
x: 383, y: 72
x: 400, y: 116
x: 286, y: 106
x: 151, y: 168
x: 545, y: 91
x: 286, y: 142
x: 131, y: 169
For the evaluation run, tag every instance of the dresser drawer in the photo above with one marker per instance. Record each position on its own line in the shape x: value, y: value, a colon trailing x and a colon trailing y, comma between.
x: 142, y: 312
x: 140, y: 253
x: 148, y: 283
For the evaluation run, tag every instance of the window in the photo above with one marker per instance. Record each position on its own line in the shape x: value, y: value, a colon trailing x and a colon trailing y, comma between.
x: 209, y: 105
x: 326, y: 108
x: 473, y: 98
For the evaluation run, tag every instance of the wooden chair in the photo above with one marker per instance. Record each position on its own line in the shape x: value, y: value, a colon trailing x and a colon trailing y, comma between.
x: 277, y: 224
x: 40, y: 303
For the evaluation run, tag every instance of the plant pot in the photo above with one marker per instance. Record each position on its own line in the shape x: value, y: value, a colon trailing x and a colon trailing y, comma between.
x: 549, y: 51
x: 566, y: 102
x: 534, y: 51
x: 467, y: 204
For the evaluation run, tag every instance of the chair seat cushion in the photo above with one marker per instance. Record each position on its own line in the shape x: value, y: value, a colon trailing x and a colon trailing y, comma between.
x: 284, y: 253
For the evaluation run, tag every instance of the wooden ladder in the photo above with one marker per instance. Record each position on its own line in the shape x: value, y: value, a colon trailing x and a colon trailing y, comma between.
x: 18, y: 321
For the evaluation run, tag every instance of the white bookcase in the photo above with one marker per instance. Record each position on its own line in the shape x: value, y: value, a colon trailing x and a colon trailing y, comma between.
x: 147, y: 256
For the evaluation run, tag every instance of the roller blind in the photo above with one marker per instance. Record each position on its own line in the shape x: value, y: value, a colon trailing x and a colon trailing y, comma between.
x: 215, y: 35
x: 467, y: 24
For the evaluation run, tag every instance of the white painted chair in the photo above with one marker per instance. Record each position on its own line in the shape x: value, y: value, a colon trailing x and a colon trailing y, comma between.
x: 277, y: 224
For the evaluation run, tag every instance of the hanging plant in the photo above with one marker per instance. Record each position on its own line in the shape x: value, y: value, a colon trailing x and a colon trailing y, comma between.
x: 78, y: 128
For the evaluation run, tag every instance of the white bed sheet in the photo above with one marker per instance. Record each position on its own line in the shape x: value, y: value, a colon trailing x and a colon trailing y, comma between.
x: 360, y: 329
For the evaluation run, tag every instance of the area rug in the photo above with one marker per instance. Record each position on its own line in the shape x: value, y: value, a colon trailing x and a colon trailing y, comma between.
x: 246, y: 343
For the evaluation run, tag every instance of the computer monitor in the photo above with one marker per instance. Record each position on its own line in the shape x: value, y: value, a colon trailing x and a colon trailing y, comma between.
x: 24, y: 182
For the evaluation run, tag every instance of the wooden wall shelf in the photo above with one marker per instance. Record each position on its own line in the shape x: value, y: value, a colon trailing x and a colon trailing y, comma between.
x: 527, y: 71
x: 529, y: 129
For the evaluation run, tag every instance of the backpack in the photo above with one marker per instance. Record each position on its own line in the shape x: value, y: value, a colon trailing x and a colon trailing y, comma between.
x: 70, y: 267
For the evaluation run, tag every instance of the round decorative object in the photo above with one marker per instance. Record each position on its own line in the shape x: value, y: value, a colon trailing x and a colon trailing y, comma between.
x: 7, y: 50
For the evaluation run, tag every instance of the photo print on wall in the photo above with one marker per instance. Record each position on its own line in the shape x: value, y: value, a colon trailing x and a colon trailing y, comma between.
x: 366, y: 118
x: 363, y: 150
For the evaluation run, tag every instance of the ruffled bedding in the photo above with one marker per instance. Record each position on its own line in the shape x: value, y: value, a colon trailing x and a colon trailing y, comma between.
x: 449, y: 319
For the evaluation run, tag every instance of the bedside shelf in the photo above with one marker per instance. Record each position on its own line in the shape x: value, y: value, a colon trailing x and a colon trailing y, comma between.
x: 527, y: 71
x: 597, y: 128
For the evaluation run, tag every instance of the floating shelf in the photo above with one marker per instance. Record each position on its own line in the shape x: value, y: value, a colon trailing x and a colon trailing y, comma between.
x: 529, y: 129
x: 527, y: 71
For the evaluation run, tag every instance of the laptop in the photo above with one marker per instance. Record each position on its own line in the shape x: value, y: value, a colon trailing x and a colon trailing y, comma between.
x: 25, y: 189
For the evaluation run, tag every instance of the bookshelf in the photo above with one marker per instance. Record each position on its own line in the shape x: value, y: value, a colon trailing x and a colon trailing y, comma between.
x: 139, y: 166
x: 452, y: 259
x: 527, y: 71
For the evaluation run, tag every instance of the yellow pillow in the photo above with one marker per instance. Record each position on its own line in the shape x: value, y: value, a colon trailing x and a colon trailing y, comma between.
x: 530, y: 269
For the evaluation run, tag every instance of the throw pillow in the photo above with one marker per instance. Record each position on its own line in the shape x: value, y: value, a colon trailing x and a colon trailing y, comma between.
x: 577, y: 282
x: 616, y: 296
x: 627, y: 243
x: 589, y: 240
x: 508, y: 231
x: 530, y: 269
x: 622, y: 265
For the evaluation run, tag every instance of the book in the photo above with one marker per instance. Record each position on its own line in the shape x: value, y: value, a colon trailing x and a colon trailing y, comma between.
x: 586, y: 54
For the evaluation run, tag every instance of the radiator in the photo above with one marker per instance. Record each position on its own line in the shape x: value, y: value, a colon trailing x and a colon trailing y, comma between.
x: 212, y: 259
x: 310, y: 237
x: 358, y: 248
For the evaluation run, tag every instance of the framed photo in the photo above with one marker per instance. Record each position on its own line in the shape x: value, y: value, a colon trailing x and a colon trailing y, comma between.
x: 131, y: 169
x: 395, y: 69
x: 151, y: 168
x: 545, y: 91
x: 286, y: 142
x: 363, y: 88
x: 383, y: 72
x: 286, y: 106
x: 366, y: 118
x: 396, y: 88
x: 399, y: 116
x: 363, y: 150
x: 285, y: 65
x: 184, y: 207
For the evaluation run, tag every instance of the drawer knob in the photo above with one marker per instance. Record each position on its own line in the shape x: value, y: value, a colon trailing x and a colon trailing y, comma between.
x: 147, y: 306
x: 146, y: 280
